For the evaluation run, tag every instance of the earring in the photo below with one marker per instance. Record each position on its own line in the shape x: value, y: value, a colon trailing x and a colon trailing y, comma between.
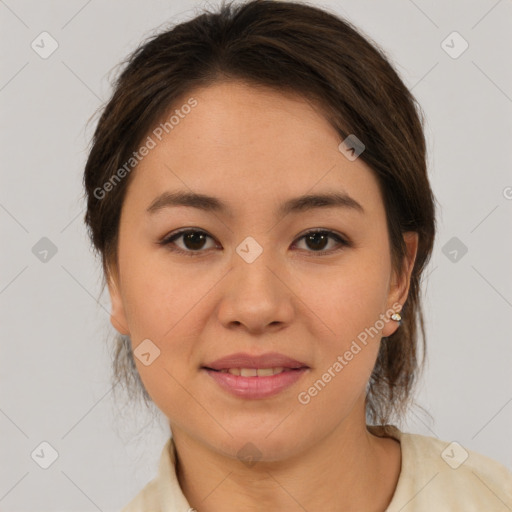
x: 396, y: 317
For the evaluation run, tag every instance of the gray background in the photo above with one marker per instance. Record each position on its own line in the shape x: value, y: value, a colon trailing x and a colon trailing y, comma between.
x: 55, y: 363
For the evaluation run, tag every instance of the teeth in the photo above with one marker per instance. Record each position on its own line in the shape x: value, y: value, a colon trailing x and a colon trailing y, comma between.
x: 255, y: 372
x: 265, y: 372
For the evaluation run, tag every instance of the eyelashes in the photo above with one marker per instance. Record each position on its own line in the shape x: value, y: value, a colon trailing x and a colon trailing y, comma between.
x: 194, y: 236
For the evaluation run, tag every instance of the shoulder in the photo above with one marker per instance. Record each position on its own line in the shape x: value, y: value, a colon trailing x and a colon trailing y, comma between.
x: 163, y: 493
x: 145, y: 500
x: 444, y: 475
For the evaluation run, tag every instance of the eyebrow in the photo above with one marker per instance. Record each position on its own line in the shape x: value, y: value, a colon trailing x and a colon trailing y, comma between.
x: 297, y: 204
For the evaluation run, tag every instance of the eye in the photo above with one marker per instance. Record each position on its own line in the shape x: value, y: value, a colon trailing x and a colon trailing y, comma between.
x: 318, y: 239
x: 192, y: 238
x: 194, y: 241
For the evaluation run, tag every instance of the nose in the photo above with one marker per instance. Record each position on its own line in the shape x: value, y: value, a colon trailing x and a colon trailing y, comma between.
x: 257, y: 295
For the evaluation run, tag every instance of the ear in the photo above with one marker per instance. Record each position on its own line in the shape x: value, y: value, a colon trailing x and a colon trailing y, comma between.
x: 117, y: 314
x: 399, y: 287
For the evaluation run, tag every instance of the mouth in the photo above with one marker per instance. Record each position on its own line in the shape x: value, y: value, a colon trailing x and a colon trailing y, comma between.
x: 255, y: 376
x: 255, y: 383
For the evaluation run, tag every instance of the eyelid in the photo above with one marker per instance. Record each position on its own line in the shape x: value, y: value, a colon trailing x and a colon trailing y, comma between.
x: 342, y: 240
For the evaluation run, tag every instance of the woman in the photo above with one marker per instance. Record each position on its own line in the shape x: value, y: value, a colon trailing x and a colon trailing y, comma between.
x: 257, y: 191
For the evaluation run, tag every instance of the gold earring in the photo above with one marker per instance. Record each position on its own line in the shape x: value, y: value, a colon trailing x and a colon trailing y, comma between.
x: 396, y: 317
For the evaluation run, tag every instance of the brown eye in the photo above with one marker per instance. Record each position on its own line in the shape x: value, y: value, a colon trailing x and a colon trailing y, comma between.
x: 193, y: 241
x: 317, y: 241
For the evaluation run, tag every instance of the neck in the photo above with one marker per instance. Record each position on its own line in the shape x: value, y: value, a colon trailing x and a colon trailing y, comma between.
x: 348, y: 470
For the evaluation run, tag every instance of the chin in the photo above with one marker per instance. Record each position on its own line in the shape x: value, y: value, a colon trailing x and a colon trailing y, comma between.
x: 256, y: 444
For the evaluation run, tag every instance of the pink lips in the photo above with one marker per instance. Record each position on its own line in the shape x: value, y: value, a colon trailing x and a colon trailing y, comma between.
x: 256, y: 387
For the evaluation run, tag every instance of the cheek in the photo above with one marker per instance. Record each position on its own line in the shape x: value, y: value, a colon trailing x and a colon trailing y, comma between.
x: 164, y: 305
x: 160, y: 310
x: 349, y: 298
x: 155, y: 298
x: 349, y: 304
x: 167, y: 319
x: 338, y: 381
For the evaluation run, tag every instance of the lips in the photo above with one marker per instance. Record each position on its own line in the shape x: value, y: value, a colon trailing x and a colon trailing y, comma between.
x: 256, y: 387
x: 242, y: 361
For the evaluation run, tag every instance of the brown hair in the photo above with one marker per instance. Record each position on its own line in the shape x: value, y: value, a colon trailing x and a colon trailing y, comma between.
x: 290, y: 47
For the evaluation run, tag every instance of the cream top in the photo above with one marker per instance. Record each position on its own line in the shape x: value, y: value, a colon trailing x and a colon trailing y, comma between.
x: 435, y: 476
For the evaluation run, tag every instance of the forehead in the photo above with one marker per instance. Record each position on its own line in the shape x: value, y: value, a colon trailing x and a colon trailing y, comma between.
x: 251, y: 142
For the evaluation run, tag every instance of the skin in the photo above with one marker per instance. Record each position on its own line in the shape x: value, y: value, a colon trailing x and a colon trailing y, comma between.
x: 255, y: 148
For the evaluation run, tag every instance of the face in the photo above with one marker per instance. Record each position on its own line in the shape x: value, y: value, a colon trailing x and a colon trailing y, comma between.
x: 248, y: 276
